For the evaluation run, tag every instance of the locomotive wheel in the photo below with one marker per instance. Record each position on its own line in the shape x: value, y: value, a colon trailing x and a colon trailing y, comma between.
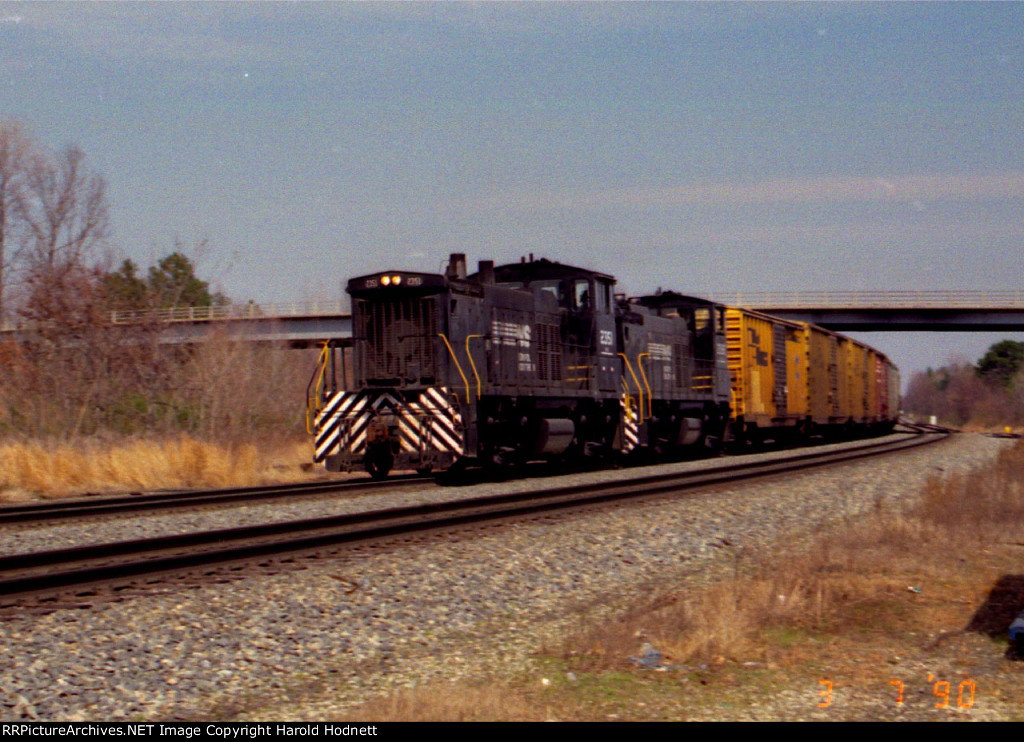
x: 379, y: 461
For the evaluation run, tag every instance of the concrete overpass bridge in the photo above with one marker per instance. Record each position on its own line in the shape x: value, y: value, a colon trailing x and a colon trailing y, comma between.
x: 305, y: 324
x: 300, y: 324
x: 891, y: 311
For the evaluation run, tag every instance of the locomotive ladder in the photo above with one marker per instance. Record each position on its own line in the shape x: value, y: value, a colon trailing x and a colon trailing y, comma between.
x: 734, y: 356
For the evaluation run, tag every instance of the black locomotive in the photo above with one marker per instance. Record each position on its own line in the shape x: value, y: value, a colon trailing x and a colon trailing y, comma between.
x: 532, y: 360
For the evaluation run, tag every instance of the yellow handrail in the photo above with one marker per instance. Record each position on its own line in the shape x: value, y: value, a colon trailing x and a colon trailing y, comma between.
x: 473, y: 365
x: 458, y: 366
x: 640, y: 365
x: 314, y: 398
x: 627, y: 399
x: 639, y: 389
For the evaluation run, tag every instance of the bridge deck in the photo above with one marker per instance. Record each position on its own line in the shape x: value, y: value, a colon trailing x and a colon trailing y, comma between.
x: 304, y: 323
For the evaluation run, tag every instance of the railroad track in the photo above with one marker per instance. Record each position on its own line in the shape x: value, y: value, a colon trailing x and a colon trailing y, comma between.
x: 158, y: 501
x: 76, y: 508
x: 27, y: 578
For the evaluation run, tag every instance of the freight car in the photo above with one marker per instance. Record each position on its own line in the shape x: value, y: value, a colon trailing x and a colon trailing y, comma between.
x: 539, y: 360
x: 793, y: 379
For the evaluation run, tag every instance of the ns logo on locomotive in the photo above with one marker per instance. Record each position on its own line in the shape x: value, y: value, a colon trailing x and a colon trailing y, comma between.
x: 538, y: 360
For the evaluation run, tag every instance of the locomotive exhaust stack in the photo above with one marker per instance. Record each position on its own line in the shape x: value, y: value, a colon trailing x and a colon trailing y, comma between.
x: 485, y: 270
x: 456, y: 266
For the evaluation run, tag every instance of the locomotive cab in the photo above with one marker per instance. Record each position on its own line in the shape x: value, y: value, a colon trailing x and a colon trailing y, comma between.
x: 581, y: 302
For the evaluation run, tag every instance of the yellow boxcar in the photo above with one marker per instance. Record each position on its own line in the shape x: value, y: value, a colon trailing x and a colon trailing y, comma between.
x: 797, y: 370
x: 788, y: 374
x: 758, y: 348
x: 875, y: 385
x: 858, y: 359
x: 823, y: 378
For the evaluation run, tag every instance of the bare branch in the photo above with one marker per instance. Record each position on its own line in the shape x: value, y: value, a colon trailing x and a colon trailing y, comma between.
x: 65, y: 210
x: 15, y: 148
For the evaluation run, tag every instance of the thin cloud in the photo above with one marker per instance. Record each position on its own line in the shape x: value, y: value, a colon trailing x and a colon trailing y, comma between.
x: 913, y: 189
x: 139, y: 32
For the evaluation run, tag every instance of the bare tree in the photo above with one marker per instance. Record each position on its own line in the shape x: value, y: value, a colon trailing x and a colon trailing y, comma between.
x: 15, y: 149
x: 64, y: 209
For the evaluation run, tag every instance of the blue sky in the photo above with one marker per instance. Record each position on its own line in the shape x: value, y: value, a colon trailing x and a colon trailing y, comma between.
x: 705, y: 147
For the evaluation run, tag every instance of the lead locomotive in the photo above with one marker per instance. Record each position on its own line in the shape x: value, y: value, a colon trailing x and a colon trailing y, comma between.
x: 514, y: 363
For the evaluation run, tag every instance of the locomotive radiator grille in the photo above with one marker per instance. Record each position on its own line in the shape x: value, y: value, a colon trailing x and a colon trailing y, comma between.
x: 549, y: 352
x: 395, y: 339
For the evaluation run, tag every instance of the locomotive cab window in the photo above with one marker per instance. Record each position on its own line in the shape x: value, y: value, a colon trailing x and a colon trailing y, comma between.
x: 550, y: 286
x: 701, y: 320
x: 603, y: 297
x: 581, y: 295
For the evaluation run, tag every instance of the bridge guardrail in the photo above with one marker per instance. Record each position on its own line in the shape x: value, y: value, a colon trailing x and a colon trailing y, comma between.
x: 924, y: 299
x: 249, y: 310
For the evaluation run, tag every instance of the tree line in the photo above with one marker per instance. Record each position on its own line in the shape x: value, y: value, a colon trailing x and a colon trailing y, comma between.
x: 54, y: 231
x: 988, y: 393
x: 53, y: 218
x: 70, y: 371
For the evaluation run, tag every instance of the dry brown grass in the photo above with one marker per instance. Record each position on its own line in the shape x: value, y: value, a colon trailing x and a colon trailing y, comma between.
x: 985, y: 505
x: 898, y: 584
x: 60, y: 469
x: 859, y: 576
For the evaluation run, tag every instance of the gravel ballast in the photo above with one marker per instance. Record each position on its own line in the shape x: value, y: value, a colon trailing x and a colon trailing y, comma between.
x: 22, y: 539
x: 359, y: 624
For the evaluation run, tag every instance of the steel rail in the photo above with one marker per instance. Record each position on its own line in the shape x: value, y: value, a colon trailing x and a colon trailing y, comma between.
x: 24, y: 574
x: 79, y: 507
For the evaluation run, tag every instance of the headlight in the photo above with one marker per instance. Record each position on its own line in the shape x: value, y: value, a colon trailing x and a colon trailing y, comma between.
x: 396, y: 280
x: 385, y: 280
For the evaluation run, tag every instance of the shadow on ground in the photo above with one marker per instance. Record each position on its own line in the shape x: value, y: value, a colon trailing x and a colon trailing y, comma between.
x: 1004, y: 603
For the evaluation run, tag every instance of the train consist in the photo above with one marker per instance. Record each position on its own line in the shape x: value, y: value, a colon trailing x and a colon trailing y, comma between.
x: 538, y: 360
